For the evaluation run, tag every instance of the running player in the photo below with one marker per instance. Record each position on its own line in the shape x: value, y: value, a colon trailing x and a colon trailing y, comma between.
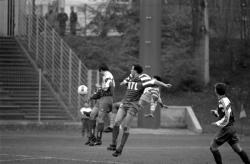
x: 129, y: 107
x: 227, y: 132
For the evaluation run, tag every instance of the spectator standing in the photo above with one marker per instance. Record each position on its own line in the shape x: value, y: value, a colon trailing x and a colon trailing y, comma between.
x: 73, y: 21
x: 51, y: 17
x: 62, y: 18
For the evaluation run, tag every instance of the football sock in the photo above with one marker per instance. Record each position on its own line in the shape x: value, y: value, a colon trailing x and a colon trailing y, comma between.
x: 244, y: 157
x: 100, y: 127
x: 217, y: 157
x: 92, y: 125
x: 123, y: 141
x: 112, y: 119
x: 83, y: 126
x: 115, y: 134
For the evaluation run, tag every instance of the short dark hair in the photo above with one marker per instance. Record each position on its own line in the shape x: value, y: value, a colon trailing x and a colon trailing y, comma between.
x: 220, y: 88
x: 138, y: 68
x: 103, y: 67
x: 157, y: 78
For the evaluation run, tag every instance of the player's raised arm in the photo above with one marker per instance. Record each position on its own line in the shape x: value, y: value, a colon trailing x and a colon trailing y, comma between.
x: 156, y: 82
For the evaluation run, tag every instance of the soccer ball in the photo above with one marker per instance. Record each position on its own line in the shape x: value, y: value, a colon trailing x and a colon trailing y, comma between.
x: 82, y: 90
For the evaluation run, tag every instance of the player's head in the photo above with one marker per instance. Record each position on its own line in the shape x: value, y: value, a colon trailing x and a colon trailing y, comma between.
x: 157, y: 78
x: 136, y: 70
x: 103, y: 67
x: 220, y: 89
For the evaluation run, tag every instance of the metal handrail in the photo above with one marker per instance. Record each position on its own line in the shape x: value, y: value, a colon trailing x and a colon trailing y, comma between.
x: 59, y: 64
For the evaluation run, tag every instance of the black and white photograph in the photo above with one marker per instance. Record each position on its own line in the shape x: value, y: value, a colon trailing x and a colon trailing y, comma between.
x: 125, y: 81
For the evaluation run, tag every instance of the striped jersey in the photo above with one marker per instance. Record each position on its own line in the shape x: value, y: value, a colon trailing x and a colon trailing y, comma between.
x: 143, y: 77
x: 153, y: 91
x: 135, y: 88
x: 224, y: 112
x: 108, y: 84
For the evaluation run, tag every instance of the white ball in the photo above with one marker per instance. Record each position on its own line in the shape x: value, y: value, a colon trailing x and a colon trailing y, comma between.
x: 82, y: 90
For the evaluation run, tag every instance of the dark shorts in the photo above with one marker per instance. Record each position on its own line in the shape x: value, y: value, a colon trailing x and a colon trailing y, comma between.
x: 226, y: 134
x: 130, y: 107
x: 106, y: 103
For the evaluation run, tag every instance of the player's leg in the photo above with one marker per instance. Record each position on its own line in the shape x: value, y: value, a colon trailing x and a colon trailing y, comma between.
x: 222, y: 136
x: 105, y: 105
x: 92, y: 124
x: 215, y: 151
x: 112, y: 116
x: 243, y: 155
x: 118, y: 119
x: 126, y: 126
x: 88, y: 130
x: 234, y: 143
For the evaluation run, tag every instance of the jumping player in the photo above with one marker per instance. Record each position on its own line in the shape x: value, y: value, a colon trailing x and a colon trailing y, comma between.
x: 105, y: 101
x: 227, y: 132
x: 153, y: 97
x: 89, y: 124
x: 129, y: 107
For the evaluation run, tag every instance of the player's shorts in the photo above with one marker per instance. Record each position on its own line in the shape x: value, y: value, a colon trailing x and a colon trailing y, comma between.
x: 106, y: 103
x: 130, y: 107
x: 145, y: 97
x: 226, y: 134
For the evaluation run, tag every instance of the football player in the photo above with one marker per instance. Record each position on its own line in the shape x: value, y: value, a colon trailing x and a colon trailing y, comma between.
x: 129, y: 107
x: 227, y: 132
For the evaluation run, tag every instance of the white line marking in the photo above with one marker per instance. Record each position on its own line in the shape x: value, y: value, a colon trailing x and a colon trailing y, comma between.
x: 57, y: 158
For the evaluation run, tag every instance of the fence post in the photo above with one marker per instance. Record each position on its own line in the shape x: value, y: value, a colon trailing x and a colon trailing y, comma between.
x: 79, y: 83
x: 29, y: 32
x: 53, y: 55
x: 89, y: 82
x: 70, y: 74
x: 44, y: 46
x: 37, y: 34
x: 39, y: 95
x: 61, y: 65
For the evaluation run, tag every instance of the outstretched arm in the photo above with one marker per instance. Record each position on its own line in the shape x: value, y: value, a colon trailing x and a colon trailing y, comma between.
x: 156, y: 82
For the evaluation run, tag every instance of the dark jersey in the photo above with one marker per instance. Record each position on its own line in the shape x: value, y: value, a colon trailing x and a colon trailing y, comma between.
x: 225, y: 113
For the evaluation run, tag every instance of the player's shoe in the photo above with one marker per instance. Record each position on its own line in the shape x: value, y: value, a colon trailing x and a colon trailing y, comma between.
x: 111, y: 147
x: 117, y: 153
x: 98, y: 142
x: 92, y: 141
x: 88, y: 141
x: 108, y: 130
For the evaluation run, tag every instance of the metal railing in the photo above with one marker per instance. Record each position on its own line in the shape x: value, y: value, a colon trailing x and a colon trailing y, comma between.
x: 60, y: 66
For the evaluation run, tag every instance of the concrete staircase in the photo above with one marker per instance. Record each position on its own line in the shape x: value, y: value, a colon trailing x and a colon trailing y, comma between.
x: 19, y: 87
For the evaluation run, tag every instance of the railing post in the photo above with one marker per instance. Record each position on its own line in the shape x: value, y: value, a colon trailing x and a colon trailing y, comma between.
x: 39, y: 95
x: 79, y: 83
x: 53, y: 55
x: 97, y: 77
x: 37, y: 34
x: 44, y: 46
x: 89, y: 82
x: 61, y: 65
x: 70, y: 74
x: 29, y: 32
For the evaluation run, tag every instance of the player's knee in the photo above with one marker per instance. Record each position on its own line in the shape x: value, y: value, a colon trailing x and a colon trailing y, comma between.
x: 213, y: 149
x: 126, y: 129
x: 236, y: 148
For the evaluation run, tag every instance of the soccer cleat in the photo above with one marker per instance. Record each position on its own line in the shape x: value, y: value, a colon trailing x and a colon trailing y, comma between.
x: 111, y: 147
x: 117, y: 153
x: 98, y: 142
x: 108, y: 130
x: 87, y: 142
x: 92, y: 141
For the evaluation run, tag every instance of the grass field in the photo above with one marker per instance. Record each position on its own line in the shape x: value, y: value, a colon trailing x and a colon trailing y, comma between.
x: 54, y: 147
